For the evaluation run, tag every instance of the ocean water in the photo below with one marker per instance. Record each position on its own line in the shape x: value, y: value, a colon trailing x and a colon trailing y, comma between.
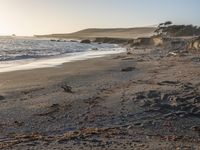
x: 30, y: 53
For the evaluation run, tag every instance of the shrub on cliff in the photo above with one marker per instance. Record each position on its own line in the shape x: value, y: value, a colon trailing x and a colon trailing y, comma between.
x: 168, y: 29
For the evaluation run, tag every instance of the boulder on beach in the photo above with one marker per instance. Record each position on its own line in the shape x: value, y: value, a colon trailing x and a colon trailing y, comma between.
x: 87, y: 41
x: 128, y: 69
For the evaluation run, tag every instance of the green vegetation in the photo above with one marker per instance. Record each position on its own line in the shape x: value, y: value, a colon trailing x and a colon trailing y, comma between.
x: 168, y: 29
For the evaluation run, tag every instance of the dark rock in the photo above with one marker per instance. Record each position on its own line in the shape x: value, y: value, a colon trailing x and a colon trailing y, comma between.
x: 86, y: 41
x: 2, y: 97
x: 67, y: 88
x: 128, y: 69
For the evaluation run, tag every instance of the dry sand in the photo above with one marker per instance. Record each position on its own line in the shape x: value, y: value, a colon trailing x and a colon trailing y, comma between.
x: 143, y: 100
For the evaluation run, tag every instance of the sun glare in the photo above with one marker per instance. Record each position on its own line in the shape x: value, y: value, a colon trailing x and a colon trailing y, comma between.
x: 3, y: 30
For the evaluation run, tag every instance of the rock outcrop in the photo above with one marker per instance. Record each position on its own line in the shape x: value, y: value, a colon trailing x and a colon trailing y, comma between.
x: 194, y: 44
x: 142, y: 42
x: 168, y: 43
x: 86, y: 41
x: 174, y: 44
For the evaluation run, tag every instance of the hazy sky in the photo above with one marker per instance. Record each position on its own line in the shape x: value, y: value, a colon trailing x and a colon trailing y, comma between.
x: 28, y: 17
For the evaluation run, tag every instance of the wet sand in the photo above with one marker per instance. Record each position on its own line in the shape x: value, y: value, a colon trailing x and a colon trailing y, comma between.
x: 144, y: 100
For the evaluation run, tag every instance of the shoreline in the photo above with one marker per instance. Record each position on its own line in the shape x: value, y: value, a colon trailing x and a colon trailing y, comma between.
x: 24, y: 78
x: 54, y: 61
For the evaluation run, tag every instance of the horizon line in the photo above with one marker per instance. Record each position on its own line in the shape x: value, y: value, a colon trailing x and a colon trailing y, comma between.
x: 11, y: 34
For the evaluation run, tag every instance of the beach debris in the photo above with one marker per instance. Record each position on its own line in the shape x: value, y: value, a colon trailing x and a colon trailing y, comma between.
x: 2, y: 97
x: 67, y: 88
x: 128, y: 69
x: 87, y: 41
x: 71, y: 135
x: 171, y: 54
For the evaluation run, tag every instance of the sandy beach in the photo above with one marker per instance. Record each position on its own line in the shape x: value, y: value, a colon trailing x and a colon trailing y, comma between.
x: 143, y: 100
x: 99, y: 75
